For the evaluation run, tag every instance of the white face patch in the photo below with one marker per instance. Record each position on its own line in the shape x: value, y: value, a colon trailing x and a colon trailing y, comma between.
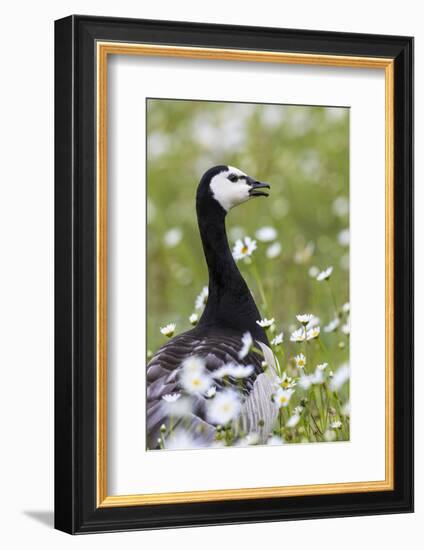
x: 230, y: 193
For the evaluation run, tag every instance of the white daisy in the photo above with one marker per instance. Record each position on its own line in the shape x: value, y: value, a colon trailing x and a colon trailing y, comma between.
x: 278, y: 340
x: 266, y: 234
x: 314, y: 322
x: 317, y: 377
x: 325, y: 275
x: 313, y: 271
x: 173, y: 237
x: 194, y: 382
x: 345, y: 410
x: 343, y: 237
x: 340, y: 377
x: 233, y: 370
x: 282, y: 397
x: 193, y: 364
x: 298, y: 335
x: 266, y: 323
x: 330, y: 435
x: 336, y: 425
x: 168, y: 330
x: 341, y: 206
x: 272, y: 116
x: 194, y: 318
x: 303, y: 255
x: 313, y: 333
x: 304, y: 318
x: 171, y: 397
x: 180, y: 407
x: 181, y: 439
x: 247, y: 342
x: 211, y: 392
x: 243, y: 248
x: 193, y: 377
x: 332, y: 325
x: 275, y: 440
x: 251, y: 438
x: 305, y: 382
x: 346, y: 307
x: 286, y: 382
x: 274, y: 250
x: 293, y: 421
x: 240, y: 371
x: 223, y: 408
x: 300, y: 361
x: 202, y: 298
x: 346, y: 327
x: 221, y: 372
x: 322, y: 366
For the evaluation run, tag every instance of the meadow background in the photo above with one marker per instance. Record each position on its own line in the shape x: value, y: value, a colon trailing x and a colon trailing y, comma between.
x: 303, y: 152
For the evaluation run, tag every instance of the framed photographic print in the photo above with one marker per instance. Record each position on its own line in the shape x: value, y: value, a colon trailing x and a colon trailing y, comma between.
x: 234, y: 274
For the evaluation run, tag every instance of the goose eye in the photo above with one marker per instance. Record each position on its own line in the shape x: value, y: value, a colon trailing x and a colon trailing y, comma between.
x: 233, y: 177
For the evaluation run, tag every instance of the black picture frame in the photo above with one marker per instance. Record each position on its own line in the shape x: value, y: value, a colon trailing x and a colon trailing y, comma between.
x: 76, y: 510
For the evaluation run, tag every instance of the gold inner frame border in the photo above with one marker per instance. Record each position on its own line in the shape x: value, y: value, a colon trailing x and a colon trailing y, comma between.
x: 103, y: 50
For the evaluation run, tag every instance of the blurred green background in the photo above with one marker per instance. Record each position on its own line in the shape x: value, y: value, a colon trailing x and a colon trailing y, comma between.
x: 303, y: 152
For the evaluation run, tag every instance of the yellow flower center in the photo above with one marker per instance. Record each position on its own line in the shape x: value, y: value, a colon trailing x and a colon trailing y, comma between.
x: 196, y: 382
x: 283, y: 400
x: 244, y: 249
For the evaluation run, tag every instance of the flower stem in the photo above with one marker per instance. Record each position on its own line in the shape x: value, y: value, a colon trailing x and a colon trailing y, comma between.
x: 323, y: 348
x: 333, y: 298
x: 260, y: 286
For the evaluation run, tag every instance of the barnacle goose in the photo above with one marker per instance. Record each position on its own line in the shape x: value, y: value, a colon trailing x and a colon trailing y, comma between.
x: 229, y: 313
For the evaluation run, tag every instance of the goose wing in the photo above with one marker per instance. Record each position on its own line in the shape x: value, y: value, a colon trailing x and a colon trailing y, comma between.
x: 217, y: 349
x: 259, y: 413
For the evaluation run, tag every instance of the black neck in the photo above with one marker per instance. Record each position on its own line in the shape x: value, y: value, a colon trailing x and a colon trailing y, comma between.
x: 230, y: 303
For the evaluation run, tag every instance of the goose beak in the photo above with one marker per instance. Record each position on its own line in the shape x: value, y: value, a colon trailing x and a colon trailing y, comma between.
x: 256, y: 187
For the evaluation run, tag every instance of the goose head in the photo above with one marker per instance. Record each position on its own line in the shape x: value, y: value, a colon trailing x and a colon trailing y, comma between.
x: 229, y: 186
